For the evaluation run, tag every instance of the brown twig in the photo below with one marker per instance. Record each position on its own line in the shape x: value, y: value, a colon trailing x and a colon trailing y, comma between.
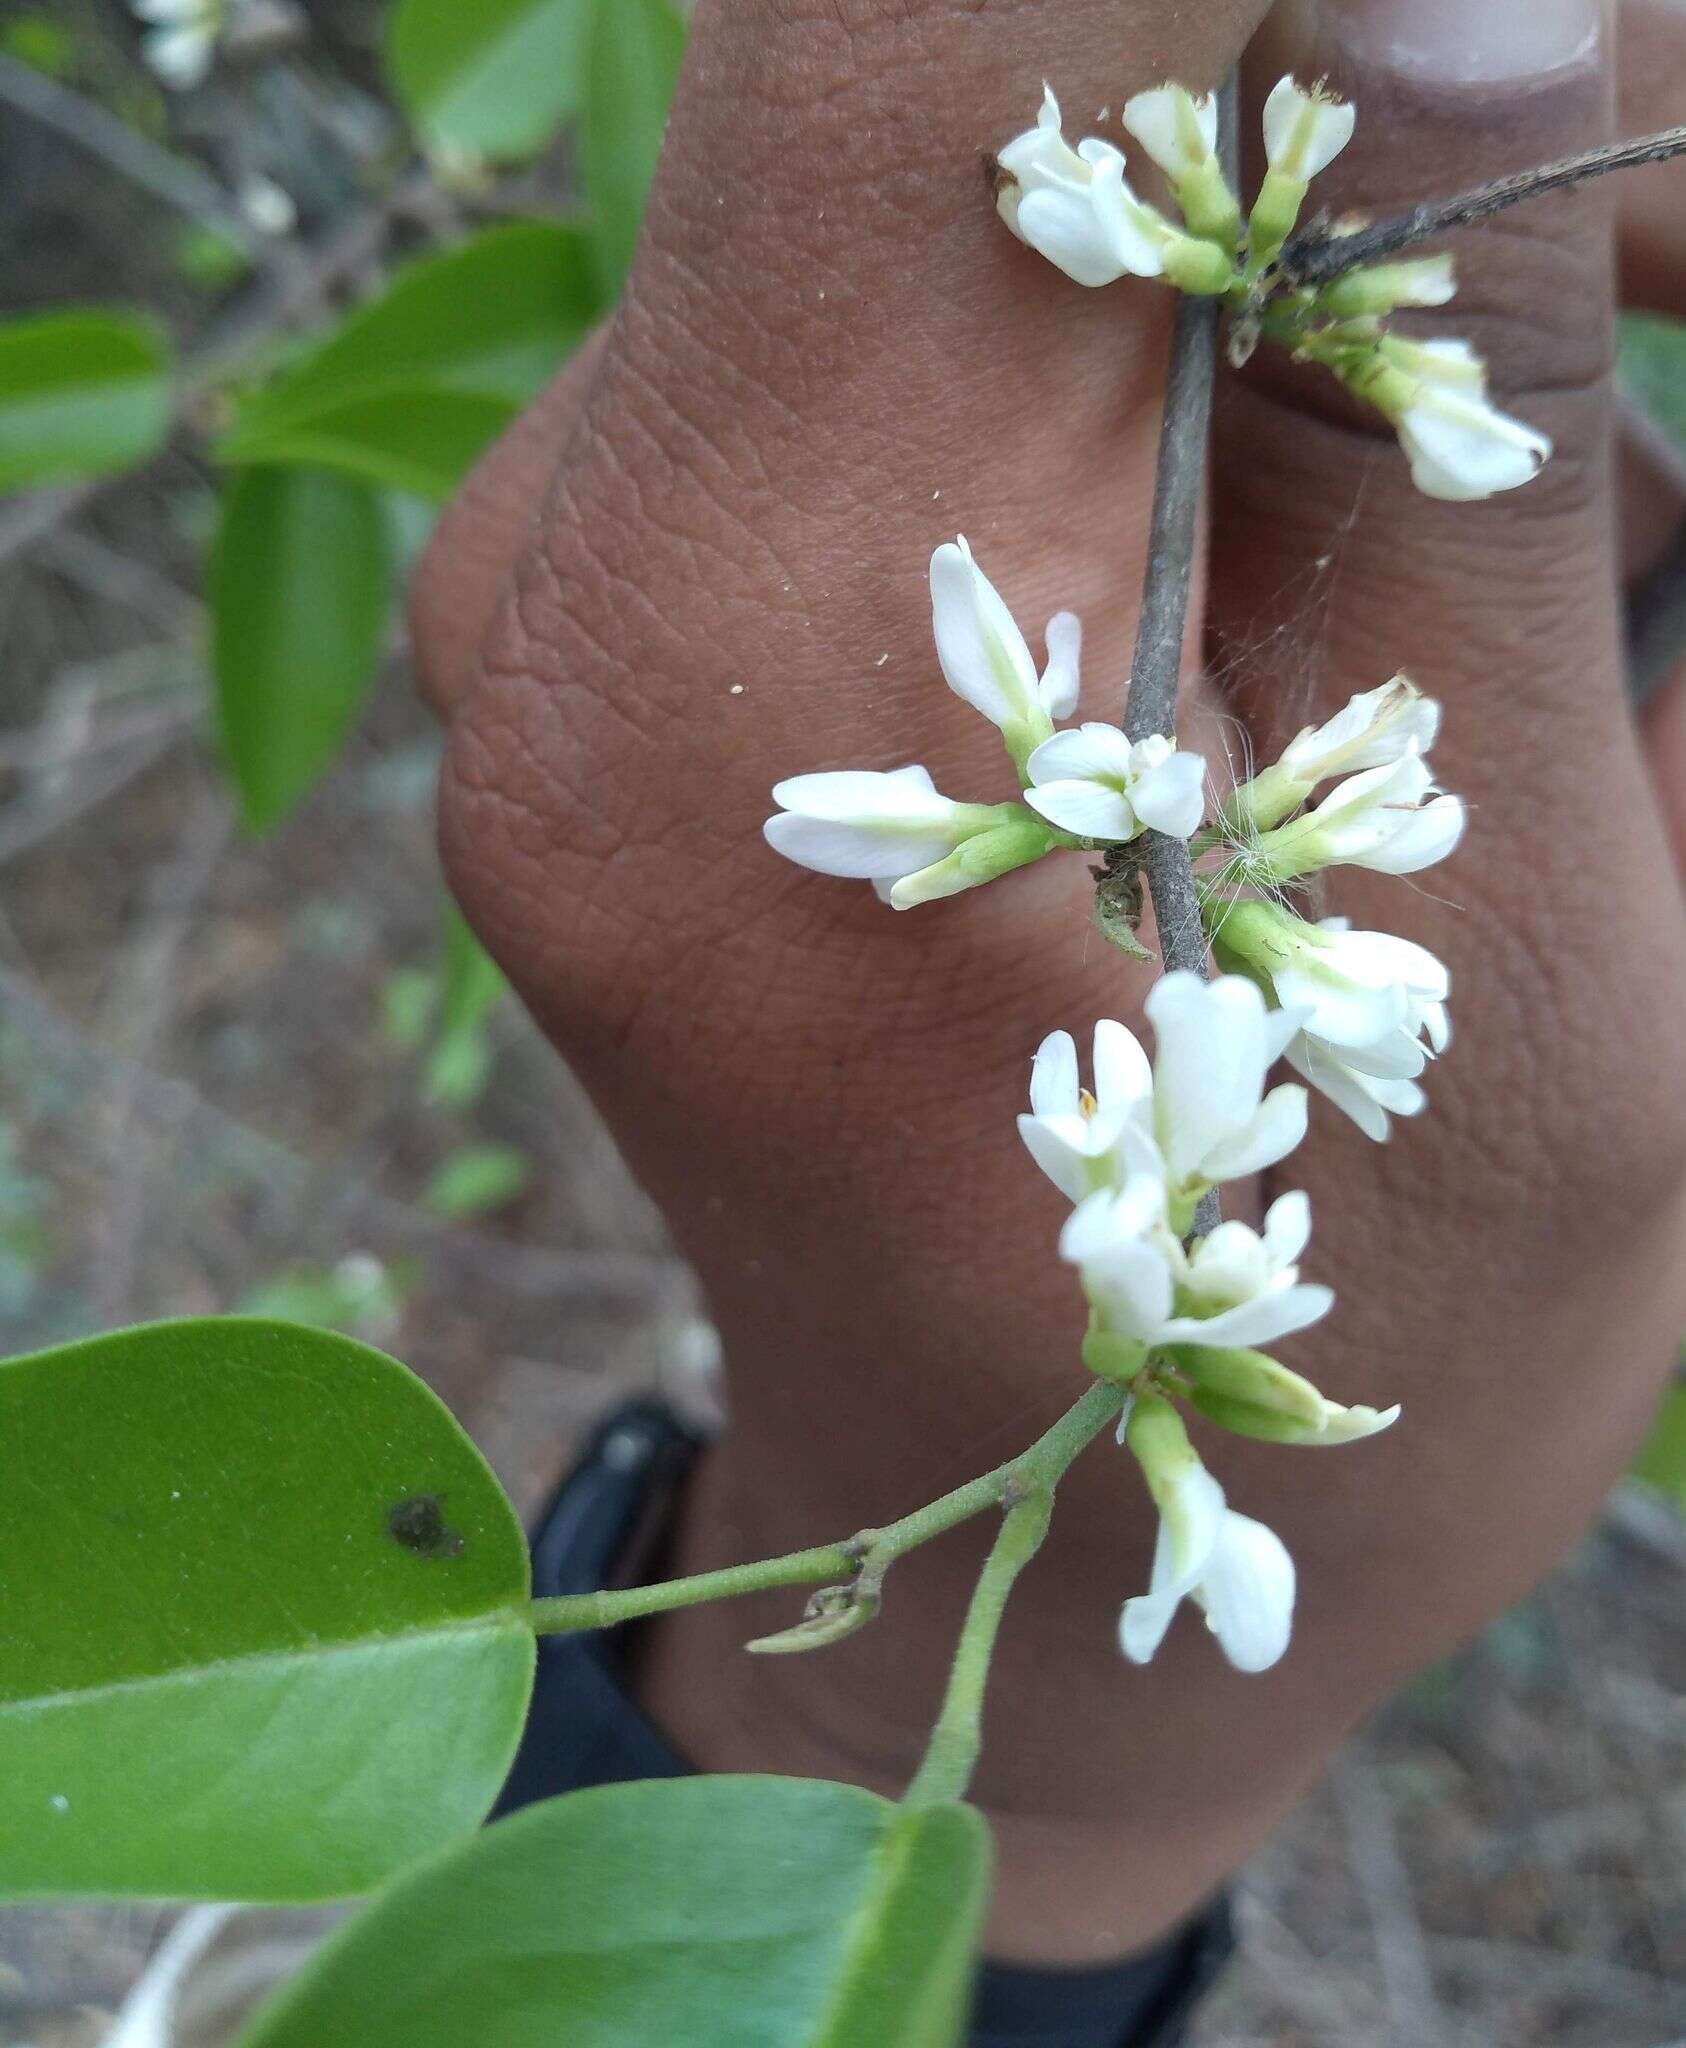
x: 1319, y: 252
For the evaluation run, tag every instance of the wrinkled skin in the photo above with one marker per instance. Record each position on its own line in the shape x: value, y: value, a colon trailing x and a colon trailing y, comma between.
x: 830, y: 357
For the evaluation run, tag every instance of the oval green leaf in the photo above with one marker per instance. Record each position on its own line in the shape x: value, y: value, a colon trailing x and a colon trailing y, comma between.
x: 301, y: 587
x: 491, y: 319
x: 631, y: 69
x: 82, y: 394
x: 495, y: 79
x: 420, y: 439
x: 767, y: 1912
x: 264, y: 1605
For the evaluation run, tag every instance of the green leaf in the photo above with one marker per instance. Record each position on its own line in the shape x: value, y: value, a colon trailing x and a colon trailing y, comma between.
x: 265, y: 1632
x: 1662, y: 1459
x: 410, y: 391
x: 300, y: 586
x: 82, y: 394
x: 421, y: 439
x: 472, y: 987
x: 767, y: 1912
x: 1651, y: 365
x: 478, y: 1178
x: 631, y: 69
x: 493, y: 317
x: 494, y: 79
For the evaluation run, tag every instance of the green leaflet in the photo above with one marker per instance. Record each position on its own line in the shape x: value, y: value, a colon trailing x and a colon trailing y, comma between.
x: 764, y: 1912
x: 82, y: 394
x: 265, y: 1630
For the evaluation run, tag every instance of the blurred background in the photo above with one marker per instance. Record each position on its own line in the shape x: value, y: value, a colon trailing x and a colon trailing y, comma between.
x: 272, y: 276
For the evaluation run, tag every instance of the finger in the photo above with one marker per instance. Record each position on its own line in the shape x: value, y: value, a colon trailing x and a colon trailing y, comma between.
x: 1651, y: 94
x: 471, y: 554
x: 1542, y: 1142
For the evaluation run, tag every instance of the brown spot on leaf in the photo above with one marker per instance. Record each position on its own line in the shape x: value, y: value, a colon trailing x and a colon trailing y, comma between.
x: 419, y: 1524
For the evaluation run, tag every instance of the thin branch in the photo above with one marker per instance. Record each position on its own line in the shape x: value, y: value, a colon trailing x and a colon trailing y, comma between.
x: 1318, y: 252
x: 84, y: 123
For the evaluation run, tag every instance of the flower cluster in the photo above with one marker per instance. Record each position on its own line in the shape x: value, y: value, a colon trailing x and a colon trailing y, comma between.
x: 1180, y: 1302
x: 1089, y: 788
x: 1371, y: 1007
x: 1173, y: 1317
x: 1076, y: 207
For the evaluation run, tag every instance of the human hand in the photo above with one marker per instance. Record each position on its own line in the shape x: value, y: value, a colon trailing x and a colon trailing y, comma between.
x: 830, y: 358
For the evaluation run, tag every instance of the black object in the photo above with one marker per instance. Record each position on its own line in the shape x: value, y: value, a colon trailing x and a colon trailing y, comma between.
x: 606, y: 1526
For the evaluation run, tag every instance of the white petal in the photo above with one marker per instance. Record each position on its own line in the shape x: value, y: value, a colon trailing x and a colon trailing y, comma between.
x: 1172, y: 797
x: 1269, y: 1136
x: 1208, y: 1064
x: 1230, y: 1265
x: 1304, y: 131
x: 1071, y: 233
x: 1318, y: 1063
x: 1060, y: 679
x: 1419, y: 839
x: 1087, y: 753
x: 1248, y: 1593
x: 1260, y: 1321
x: 1191, y: 1524
x: 1053, y: 1076
x: 982, y: 653
x: 1064, y: 1162
x: 1090, y: 810
x: 1287, y: 1225
x: 1352, y: 1425
x: 1461, y: 448
x: 1137, y: 232
x: 1122, y: 1074
x: 1142, y: 1625
x: 1177, y: 130
x: 1344, y: 1010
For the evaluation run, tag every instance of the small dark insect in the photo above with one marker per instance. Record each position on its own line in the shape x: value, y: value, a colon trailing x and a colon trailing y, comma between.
x: 419, y: 1524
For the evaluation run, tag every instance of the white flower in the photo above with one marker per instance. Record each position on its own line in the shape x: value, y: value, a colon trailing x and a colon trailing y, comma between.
x: 1095, y: 783
x: 1199, y: 1115
x: 983, y: 654
x: 1236, y: 1264
x: 895, y: 831
x: 1352, y: 988
x: 179, y: 45
x: 1179, y: 131
x: 1371, y: 730
x: 859, y: 823
x: 1214, y: 1043
x: 1244, y: 1583
x: 1146, y: 1289
x: 1305, y: 129
x: 1081, y: 1141
x: 1387, y: 819
x: 1074, y: 207
x: 1460, y: 446
x: 1370, y: 1082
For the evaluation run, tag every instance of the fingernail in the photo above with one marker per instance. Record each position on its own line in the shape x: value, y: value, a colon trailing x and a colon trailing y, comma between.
x: 1467, y: 42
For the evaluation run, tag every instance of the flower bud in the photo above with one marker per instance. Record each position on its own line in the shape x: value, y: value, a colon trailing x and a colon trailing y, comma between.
x: 1377, y: 288
x: 1252, y: 1395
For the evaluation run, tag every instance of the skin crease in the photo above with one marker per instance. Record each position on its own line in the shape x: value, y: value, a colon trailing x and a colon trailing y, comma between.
x: 737, y: 487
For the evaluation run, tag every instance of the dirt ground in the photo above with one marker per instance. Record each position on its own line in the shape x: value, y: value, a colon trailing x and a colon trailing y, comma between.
x: 207, y: 1090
